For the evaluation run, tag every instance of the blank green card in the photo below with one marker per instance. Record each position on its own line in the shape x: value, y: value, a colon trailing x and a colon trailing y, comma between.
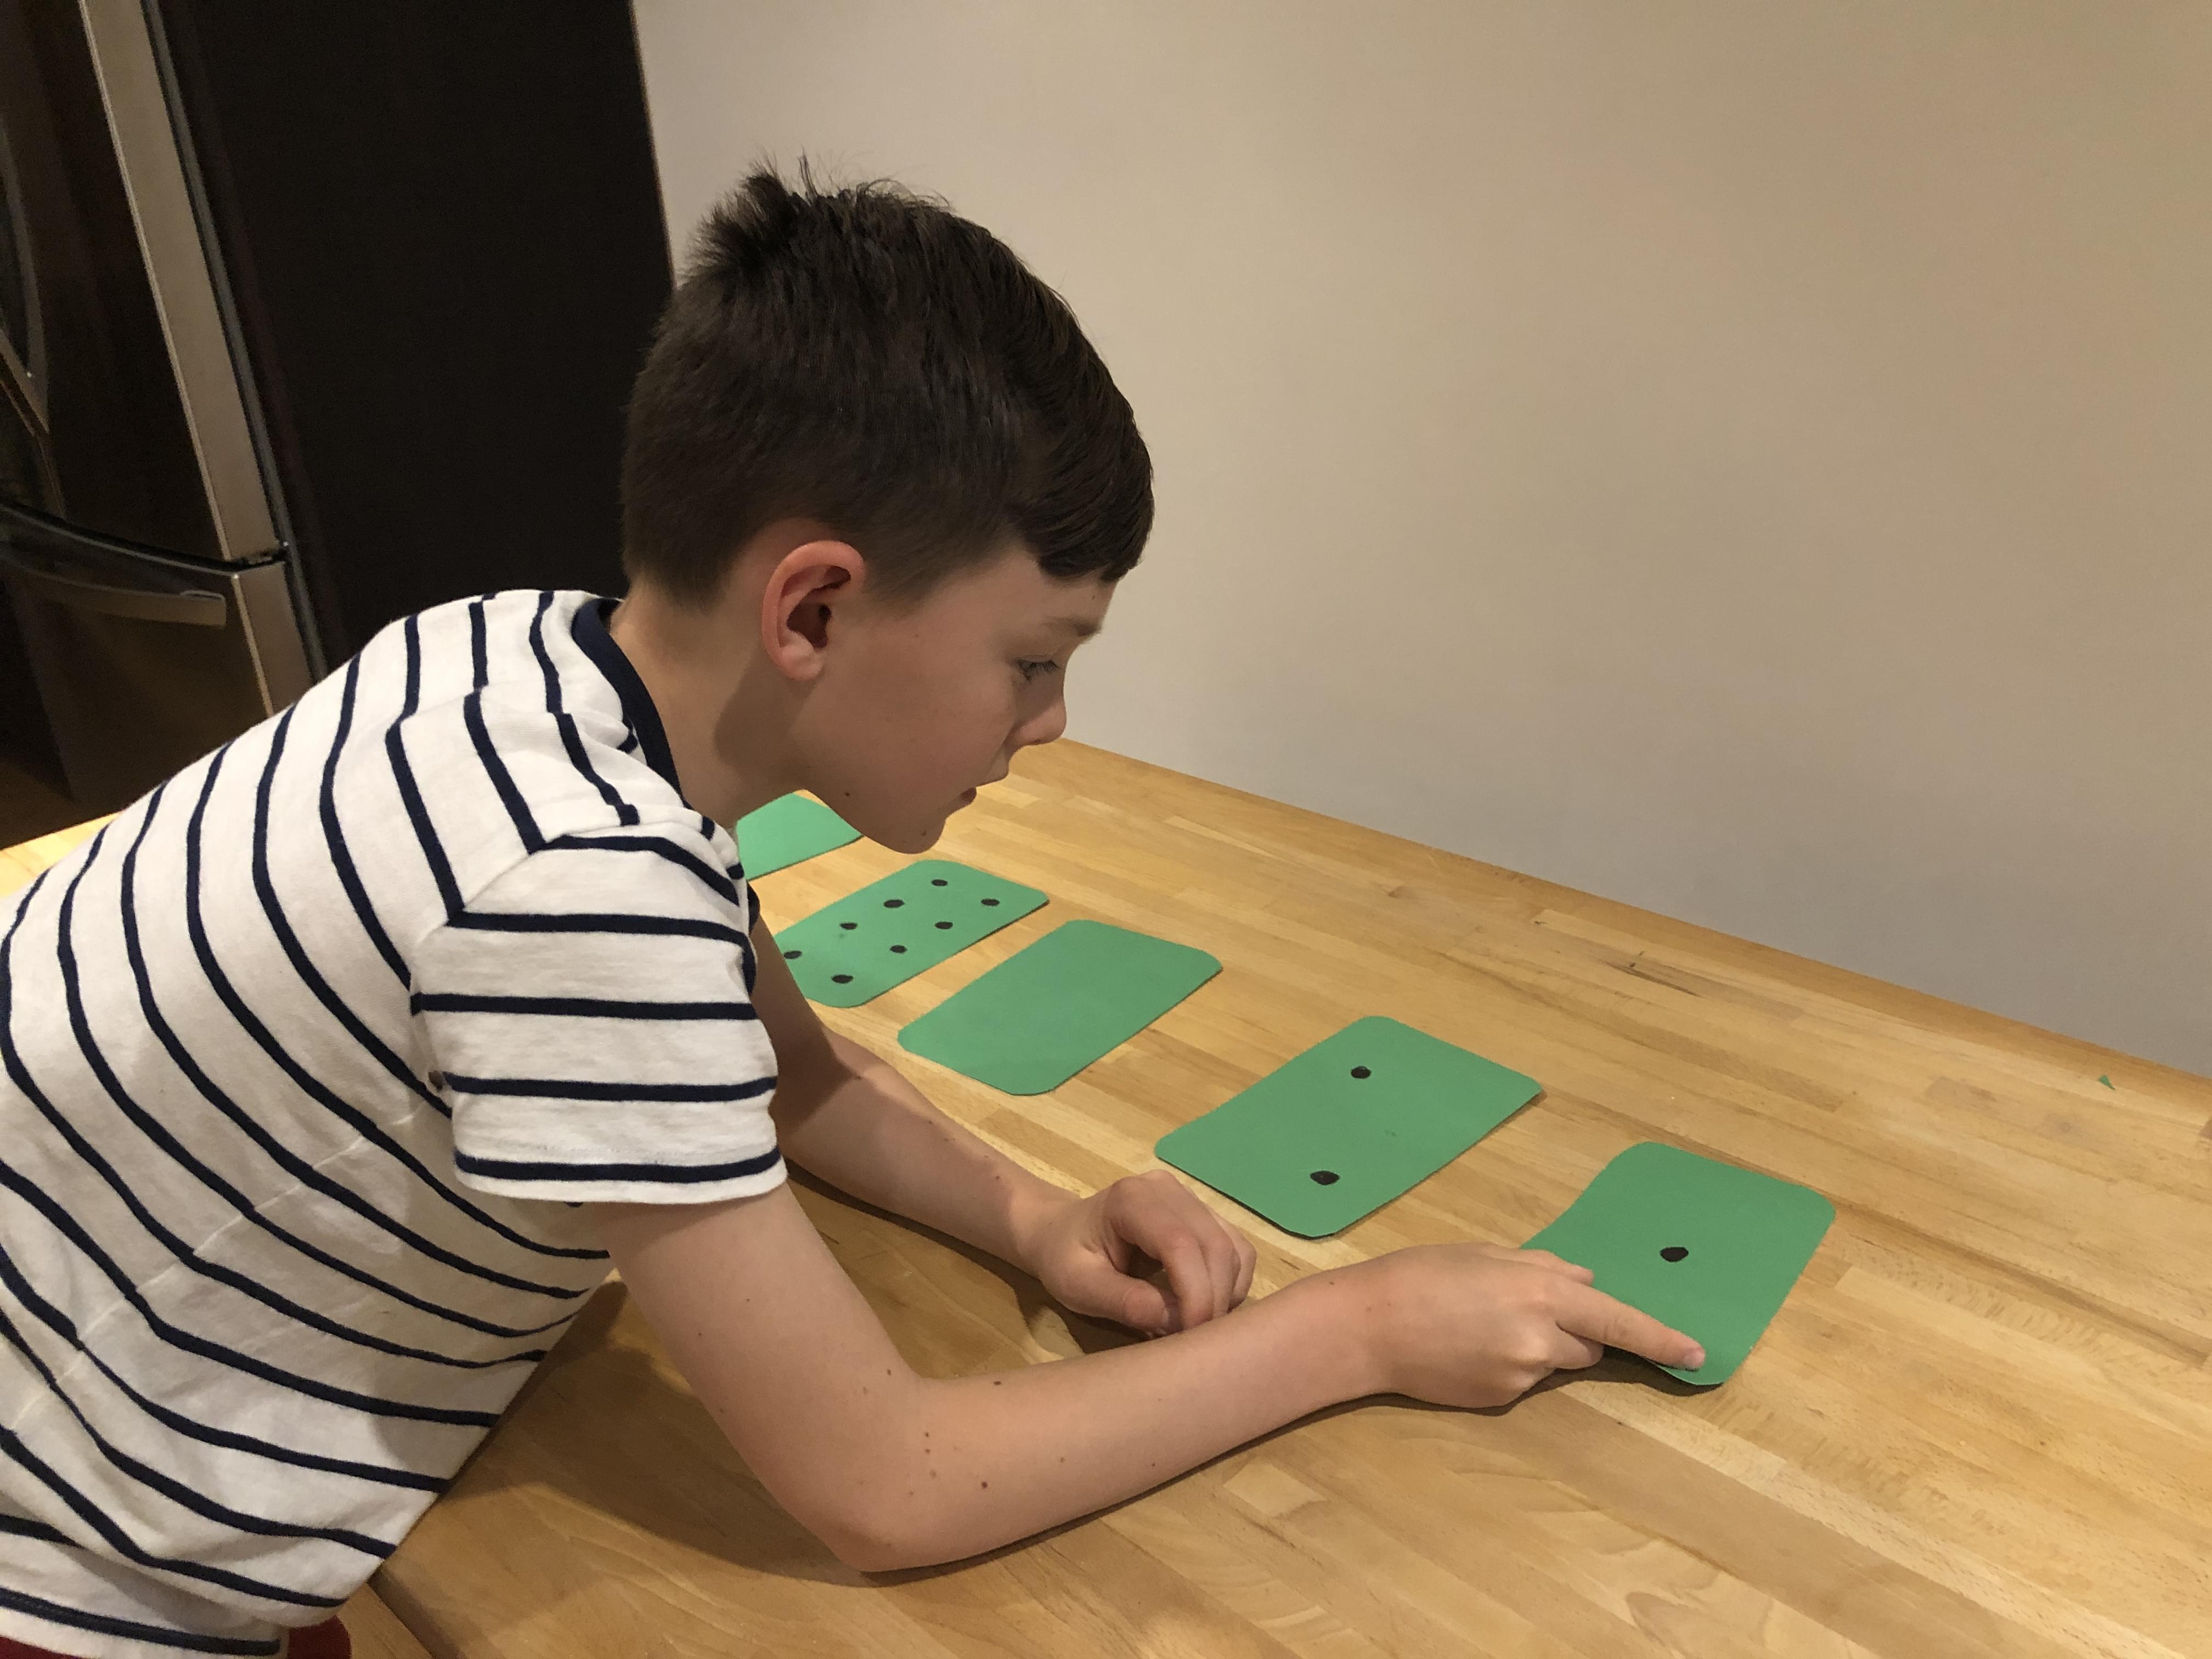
x: 1347, y: 1126
x: 1042, y: 1015
x: 1705, y: 1247
x: 892, y: 929
x: 789, y: 828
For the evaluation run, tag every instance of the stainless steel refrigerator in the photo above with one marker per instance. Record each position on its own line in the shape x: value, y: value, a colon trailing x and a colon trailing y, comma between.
x: 312, y: 313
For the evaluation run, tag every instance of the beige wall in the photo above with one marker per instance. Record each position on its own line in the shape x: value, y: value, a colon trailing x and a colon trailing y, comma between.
x: 1747, y: 459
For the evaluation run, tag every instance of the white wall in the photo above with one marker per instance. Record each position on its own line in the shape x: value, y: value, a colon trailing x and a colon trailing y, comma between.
x: 1750, y: 460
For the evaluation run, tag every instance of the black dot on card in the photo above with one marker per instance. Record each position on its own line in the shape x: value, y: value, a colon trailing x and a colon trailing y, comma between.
x: 848, y: 926
x: 1673, y: 1253
x: 944, y: 924
x: 842, y: 979
x: 1361, y: 1070
x: 936, y: 881
x: 898, y: 950
x: 990, y: 901
x: 792, y: 956
x: 1325, y: 1177
x: 893, y: 904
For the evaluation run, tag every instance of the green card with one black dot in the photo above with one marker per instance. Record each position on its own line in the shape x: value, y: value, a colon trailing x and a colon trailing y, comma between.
x: 1705, y: 1247
x: 890, y: 930
x: 1346, y: 1127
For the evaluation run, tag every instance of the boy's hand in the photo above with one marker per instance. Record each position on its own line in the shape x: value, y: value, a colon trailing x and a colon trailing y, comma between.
x: 1480, y: 1324
x: 1082, y: 1251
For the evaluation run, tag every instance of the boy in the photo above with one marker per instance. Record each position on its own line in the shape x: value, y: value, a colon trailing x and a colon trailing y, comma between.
x: 336, y: 1069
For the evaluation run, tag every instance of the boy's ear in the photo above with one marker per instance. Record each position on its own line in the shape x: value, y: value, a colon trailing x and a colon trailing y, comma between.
x: 800, y: 605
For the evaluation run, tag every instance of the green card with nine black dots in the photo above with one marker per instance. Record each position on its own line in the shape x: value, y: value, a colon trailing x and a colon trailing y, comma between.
x: 1346, y: 1127
x: 890, y: 930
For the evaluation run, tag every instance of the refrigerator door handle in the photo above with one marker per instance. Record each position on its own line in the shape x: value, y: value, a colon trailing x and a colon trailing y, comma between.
x: 195, y: 608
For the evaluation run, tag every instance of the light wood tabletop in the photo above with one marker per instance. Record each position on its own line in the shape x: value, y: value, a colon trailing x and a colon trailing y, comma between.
x: 1981, y: 1425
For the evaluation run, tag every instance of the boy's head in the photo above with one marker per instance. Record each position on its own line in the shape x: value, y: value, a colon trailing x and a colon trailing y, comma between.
x: 868, y: 436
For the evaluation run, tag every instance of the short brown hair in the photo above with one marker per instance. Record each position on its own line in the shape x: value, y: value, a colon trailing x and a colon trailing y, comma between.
x: 867, y: 357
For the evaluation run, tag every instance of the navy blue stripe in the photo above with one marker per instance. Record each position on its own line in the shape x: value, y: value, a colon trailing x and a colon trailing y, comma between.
x: 454, y: 1002
x: 175, y: 1490
x: 295, y: 952
x: 555, y: 1088
x: 628, y: 742
x: 23, y: 1526
x: 341, y: 856
x: 299, y: 1169
x: 131, y: 1550
x: 502, y: 781
x: 313, y: 1087
x: 62, y: 1222
x: 528, y: 921
x: 81, y: 1025
x: 426, y: 835
x: 571, y: 740
x: 60, y: 1323
x: 715, y: 881
x: 54, y: 1612
x: 673, y: 1173
x: 478, y: 667
x: 488, y: 752
x: 590, y: 629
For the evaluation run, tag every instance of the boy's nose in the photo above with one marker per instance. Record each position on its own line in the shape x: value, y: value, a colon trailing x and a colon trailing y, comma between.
x: 1048, y: 727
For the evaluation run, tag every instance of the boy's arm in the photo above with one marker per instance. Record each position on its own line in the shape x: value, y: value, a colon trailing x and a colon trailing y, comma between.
x: 845, y: 1115
x: 891, y: 1469
x: 849, y: 1117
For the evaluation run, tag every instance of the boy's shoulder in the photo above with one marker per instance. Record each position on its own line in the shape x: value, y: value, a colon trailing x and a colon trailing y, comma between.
x: 505, y: 736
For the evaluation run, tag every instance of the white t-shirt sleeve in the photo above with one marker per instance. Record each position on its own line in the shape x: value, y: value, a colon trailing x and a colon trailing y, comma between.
x: 591, y: 1015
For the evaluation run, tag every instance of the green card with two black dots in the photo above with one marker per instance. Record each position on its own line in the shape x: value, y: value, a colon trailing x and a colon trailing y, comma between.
x: 1705, y: 1247
x: 1346, y: 1127
x: 892, y: 929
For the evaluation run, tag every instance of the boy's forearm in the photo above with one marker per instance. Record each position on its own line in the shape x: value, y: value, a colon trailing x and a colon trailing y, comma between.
x: 984, y: 1460
x: 868, y: 1132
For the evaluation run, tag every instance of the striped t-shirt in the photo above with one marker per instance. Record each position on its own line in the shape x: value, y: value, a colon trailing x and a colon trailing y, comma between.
x: 309, y: 1057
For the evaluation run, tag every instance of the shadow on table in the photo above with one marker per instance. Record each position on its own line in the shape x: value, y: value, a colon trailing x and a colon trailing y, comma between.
x: 621, y: 1437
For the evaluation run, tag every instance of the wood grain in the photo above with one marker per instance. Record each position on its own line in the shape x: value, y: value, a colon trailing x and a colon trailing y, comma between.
x: 376, y: 1631
x: 20, y: 865
x: 1982, y: 1426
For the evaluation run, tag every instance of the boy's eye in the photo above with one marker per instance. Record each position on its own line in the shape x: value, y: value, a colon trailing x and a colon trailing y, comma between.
x: 1033, y: 668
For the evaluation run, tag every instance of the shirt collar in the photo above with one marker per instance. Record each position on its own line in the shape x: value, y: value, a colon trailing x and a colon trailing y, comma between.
x: 590, y: 629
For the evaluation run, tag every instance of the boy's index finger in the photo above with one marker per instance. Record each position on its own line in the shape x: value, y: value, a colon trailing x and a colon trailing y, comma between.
x: 1591, y: 1313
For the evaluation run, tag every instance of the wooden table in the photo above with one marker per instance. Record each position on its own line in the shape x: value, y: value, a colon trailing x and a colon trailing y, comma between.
x: 1982, y: 1426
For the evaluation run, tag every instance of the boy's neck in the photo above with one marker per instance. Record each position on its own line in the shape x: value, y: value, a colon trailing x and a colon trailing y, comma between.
x: 715, y: 698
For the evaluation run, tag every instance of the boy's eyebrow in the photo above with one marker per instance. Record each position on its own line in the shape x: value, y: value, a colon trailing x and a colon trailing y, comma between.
x: 1082, y: 627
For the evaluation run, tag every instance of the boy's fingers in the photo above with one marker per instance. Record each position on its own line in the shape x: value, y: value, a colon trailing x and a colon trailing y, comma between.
x: 1593, y: 1314
x: 1190, y: 1275
x: 1220, y: 1267
x: 1557, y: 1264
x: 1575, y: 1352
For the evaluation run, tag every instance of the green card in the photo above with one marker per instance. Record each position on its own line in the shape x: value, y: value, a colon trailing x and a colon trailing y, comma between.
x: 1347, y: 1126
x: 789, y: 828
x: 1042, y: 1015
x: 890, y: 930
x: 1705, y: 1247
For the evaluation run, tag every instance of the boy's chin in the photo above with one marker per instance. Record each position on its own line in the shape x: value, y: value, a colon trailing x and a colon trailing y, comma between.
x: 908, y: 837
